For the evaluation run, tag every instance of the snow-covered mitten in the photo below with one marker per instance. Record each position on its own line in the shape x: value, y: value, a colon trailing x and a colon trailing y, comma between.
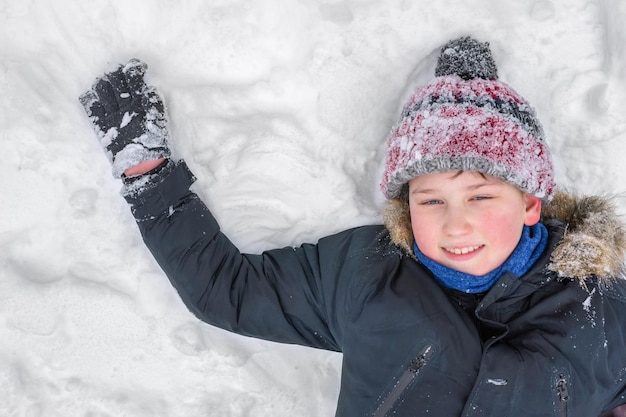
x: 128, y: 116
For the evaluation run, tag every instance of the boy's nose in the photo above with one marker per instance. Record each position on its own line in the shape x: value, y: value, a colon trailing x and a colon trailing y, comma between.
x: 457, y: 223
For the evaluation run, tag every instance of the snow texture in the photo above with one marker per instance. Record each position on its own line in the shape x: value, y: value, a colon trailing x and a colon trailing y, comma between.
x: 281, y: 109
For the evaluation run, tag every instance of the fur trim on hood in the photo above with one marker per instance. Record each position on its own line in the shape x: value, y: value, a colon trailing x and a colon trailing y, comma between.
x: 594, y: 242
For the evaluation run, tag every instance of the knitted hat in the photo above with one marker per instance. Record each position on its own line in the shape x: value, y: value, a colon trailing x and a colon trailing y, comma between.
x: 466, y: 119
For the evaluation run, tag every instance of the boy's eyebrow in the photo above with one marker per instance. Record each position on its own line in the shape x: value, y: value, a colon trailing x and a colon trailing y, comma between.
x: 424, y: 191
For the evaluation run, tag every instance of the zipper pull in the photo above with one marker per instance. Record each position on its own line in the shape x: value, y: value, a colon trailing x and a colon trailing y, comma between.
x: 563, y: 394
x: 561, y: 388
x: 418, y: 362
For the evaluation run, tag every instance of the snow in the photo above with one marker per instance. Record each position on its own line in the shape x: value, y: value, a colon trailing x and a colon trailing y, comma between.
x: 281, y: 109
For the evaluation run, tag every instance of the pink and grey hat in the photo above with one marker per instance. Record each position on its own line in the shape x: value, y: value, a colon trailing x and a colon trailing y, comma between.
x: 467, y: 119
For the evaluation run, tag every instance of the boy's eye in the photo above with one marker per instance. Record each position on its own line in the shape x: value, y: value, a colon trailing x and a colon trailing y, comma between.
x: 481, y: 197
x: 431, y: 202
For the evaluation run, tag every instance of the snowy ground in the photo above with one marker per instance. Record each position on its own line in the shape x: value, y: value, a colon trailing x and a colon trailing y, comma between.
x: 281, y: 109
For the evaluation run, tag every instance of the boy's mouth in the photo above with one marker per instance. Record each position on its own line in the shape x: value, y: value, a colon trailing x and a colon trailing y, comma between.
x: 464, y: 250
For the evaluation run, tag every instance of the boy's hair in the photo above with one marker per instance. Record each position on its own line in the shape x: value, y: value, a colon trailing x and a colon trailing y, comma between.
x: 468, y: 120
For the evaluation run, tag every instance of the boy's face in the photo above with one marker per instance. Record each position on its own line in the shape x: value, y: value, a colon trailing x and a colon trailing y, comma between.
x: 467, y: 221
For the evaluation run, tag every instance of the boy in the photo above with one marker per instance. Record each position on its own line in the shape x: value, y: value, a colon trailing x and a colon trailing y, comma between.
x: 463, y: 304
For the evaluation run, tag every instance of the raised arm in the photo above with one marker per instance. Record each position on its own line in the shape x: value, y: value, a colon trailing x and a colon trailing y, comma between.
x: 281, y: 295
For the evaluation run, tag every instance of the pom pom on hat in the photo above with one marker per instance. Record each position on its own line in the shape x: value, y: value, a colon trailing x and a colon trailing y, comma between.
x: 468, y: 59
x: 467, y: 119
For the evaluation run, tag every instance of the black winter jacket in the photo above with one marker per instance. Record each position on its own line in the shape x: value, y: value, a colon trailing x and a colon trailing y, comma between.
x: 531, y: 346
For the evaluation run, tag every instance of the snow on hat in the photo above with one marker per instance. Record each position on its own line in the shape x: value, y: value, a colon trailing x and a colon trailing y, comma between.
x: 466, y: 119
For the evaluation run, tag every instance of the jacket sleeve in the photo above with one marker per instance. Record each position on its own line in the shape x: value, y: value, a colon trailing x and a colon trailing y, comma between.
x: 281, y: 295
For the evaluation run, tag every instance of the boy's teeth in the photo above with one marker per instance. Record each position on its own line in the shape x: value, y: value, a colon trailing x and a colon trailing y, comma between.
x: 462, y: 251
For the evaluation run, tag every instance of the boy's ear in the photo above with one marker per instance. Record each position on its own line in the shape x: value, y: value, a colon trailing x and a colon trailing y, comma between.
x: 533, y: 209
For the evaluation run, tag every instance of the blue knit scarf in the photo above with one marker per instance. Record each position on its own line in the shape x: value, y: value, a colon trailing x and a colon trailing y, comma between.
x: 530, y: 247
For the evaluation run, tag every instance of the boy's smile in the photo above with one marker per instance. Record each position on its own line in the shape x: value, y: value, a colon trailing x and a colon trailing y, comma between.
x: 469, y: 221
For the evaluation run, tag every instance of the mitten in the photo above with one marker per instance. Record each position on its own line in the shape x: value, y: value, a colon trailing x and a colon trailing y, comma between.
x: 128, y: 116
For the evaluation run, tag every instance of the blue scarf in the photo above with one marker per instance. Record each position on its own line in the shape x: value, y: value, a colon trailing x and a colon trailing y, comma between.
x: 530, y: 247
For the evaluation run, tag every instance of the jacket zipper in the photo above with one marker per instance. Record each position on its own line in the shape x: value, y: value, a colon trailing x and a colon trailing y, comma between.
x: 563, y: 395
x: 409, y: 374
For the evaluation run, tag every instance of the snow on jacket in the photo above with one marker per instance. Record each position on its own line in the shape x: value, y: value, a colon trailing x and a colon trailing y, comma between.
x: 539, y: 345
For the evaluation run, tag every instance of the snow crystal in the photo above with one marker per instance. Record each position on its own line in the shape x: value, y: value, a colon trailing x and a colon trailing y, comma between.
x: 591, y: 313
x: 587, y: 303
x: 126, y: 119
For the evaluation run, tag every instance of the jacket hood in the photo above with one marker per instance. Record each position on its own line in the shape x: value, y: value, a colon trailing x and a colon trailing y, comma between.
x: 594, y: 242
